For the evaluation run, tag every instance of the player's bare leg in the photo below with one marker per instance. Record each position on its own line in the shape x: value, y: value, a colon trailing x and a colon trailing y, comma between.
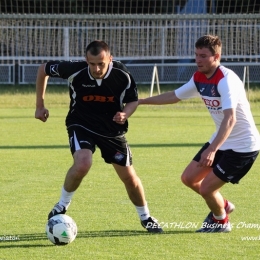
x: 193, y: 175
x: 209, y: 190
x: 76, y: 173
x: 132, y: 183
x: 217, y: 220
x: 136, y: 194
x: 79, y: 169
x: 203, y: 181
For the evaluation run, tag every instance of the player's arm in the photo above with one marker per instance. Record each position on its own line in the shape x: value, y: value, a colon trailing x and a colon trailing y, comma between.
x: 41, y: 112
x: 162, y: 99
x: 131, y: 102
x: 224, y: 131
x: 129, y: 109
x: 229, y: 98
x: 186, y: 91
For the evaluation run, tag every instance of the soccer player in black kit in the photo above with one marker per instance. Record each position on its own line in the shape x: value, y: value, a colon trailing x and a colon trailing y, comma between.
x: 103, y: 95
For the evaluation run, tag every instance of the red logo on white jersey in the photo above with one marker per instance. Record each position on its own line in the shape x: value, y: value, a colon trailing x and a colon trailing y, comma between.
x: 212, y: 103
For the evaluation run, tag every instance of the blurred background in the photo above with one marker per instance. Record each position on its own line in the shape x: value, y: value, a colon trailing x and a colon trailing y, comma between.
x: 143, y: 34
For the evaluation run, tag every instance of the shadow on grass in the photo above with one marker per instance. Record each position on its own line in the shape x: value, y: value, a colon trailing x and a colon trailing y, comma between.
x: 3, y: 147
x: 124, y: 233
x: 15, y: 241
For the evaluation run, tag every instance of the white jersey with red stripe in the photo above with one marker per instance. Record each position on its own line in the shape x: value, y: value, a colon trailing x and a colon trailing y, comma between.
x: 224, y: 90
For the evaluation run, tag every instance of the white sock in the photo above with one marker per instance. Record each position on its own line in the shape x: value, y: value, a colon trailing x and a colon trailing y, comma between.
x: 220, y: 217
x: 65, y: 198
x: 143, y: 212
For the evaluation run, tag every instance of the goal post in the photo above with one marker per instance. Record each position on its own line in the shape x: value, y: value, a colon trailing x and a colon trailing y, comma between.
x: 246, y: 79
x: 155, y: 77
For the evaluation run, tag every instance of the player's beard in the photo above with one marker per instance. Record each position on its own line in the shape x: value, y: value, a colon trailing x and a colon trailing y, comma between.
x: 98, y: 75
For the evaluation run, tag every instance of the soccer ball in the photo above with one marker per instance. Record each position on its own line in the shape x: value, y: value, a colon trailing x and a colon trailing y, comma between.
x: 61, y: 229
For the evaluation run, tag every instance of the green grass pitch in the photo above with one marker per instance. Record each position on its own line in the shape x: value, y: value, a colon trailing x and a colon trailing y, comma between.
x: 163, y: 139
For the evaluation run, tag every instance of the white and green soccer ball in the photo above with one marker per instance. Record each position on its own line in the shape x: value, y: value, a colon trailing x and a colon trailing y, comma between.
x: 61, y: 229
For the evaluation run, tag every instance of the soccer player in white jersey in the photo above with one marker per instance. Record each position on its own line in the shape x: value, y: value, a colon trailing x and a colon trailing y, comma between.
x: 103, y: 95
x: 233, y: 148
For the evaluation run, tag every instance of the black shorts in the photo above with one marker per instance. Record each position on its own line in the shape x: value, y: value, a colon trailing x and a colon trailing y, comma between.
x: 113, y: 149
x: 228, y: 165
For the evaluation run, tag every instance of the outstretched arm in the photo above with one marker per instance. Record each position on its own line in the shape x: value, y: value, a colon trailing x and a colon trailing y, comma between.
x: 41, y: 112
x: 163, y: 99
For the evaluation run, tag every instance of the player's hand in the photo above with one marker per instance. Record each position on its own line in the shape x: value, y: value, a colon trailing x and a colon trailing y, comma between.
x: 42, y: 114
x: 120, y: 118
x: 206, y: 159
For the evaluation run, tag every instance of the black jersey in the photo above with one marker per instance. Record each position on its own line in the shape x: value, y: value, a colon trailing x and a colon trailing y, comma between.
x: 94, y: 102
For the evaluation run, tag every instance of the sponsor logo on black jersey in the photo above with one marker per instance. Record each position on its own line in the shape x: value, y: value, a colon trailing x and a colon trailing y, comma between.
x: 98, y: 98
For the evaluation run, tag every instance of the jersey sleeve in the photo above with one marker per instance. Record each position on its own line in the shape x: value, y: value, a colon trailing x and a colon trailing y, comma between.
x: 187, y: 90
x: 63, y: 69
x: 229, y: 89
x: 131, y: 93
x: 121, y: 66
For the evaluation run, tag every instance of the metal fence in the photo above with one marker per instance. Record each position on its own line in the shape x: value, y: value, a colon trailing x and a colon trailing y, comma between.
x: 170, y: 73
x: 139, y: 41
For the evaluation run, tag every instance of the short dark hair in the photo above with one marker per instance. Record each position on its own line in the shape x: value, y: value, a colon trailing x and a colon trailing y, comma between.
x: 213, y: 43
x: 97, y: 46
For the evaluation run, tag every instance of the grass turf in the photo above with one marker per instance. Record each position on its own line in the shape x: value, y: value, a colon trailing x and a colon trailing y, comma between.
x: 163, y: 139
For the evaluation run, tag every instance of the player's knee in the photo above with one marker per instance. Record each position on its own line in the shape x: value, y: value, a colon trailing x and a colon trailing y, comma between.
x: 190, y: 182
x: 186, y: 180
x: 81, y: 167
x: 183, y: 179
x: 82, y: 162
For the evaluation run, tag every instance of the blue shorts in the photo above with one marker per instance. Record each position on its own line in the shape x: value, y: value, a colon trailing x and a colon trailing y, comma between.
x: 228, y: 165
x: 113, y: 149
